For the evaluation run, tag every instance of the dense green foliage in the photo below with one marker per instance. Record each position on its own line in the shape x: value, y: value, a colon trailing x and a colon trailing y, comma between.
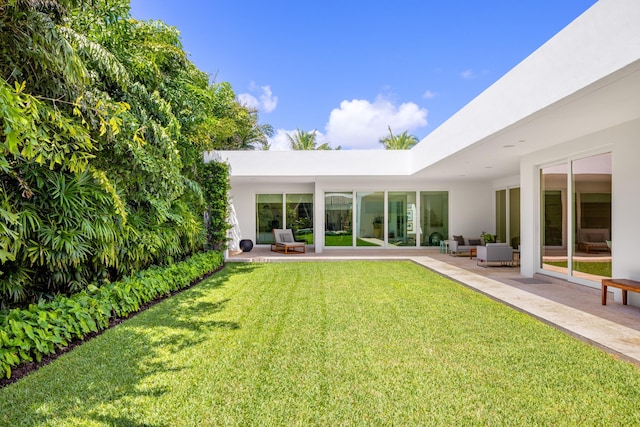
x: 329, y: 344
x: 103, y: 124
x: 39, y: 330
x: 215, y: 183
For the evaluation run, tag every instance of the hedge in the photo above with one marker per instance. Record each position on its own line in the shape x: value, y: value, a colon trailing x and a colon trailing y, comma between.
x: 29, y: 334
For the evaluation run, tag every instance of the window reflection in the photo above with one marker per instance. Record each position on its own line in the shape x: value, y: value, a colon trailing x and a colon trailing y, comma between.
x: 591, y: 180
x: 370, y: 219
x: 553, y: 215
x: 338, y: 212
x: 268, y: 216
x: 590, y: 224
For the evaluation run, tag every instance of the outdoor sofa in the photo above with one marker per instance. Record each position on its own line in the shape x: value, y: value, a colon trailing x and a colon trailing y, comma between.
x: 460, y: 245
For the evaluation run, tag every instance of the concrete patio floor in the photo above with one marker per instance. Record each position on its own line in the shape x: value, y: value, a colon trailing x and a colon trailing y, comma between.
x: 572, y: 308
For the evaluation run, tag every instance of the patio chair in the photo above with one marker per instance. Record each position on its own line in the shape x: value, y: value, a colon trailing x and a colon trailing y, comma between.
x: 286, y: 243
x: 494, y: 252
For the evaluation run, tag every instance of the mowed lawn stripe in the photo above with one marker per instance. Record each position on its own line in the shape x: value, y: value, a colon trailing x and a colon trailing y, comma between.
x: 328, y: 343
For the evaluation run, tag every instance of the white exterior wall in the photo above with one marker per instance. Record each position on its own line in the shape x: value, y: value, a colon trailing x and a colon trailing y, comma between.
x: 626, y: 204
x: 471, y: 209
x: 244, y: 201
x: 471, y: 205
x: 623, y: 141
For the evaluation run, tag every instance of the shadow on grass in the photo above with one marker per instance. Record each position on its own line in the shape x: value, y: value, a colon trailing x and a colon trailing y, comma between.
x: 116, y: 367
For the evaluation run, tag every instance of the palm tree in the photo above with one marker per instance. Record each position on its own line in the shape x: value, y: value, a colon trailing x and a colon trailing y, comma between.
x: 303, y: 140
x: 404, y: 141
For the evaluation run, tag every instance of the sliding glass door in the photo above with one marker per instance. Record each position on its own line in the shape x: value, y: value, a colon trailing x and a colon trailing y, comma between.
x: 434, y: 217
x: 591, y: 181
x: 294, y: 211
x: 386, y: 218
x: 370, y: 218
x: 268, y: 216
x: 553, y: 216
x: 401, y: 218
x: 338, y: 217
x: 300, y: 216
x: 508, y: 216
x: 575, y: 217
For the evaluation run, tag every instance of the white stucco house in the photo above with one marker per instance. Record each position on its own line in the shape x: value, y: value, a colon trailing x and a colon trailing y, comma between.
x: 547, y: 159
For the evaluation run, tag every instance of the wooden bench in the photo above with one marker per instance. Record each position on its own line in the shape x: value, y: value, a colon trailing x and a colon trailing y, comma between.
x: 624, y: 284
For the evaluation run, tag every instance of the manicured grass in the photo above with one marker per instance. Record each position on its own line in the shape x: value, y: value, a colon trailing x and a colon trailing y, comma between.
x: 345, y: 240
x: 595, y: 268
x: 349, y: 343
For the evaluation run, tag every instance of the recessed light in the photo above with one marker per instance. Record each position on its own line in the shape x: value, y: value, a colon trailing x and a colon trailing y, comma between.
x: 522, y: 140
x: 508, y: 146
x: 488, y: 167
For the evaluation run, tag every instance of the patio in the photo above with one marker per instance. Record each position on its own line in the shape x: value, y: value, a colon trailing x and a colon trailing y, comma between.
x: 573, y: 308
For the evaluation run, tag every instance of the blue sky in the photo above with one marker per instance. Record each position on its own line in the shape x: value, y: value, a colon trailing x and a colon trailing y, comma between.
x: 349, y: 69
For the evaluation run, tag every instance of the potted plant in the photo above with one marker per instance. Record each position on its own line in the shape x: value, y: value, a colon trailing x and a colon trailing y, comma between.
x: 488, y: 238
x: 377, y: 227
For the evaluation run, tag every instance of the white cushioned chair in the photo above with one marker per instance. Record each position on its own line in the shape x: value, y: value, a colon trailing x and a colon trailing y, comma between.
x: 285, y: 242
x: 494, y: 252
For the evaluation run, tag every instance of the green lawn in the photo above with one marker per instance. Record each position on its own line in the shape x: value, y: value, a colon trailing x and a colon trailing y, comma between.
x: 348, y: 343
x: 595, y: 268
x: 345, y: 240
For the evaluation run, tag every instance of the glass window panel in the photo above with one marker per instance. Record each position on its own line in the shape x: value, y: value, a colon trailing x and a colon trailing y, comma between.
x: 338, y: 212
x: 591, y: 180
x: 402, y: 218
x: 514, y: 217
x: 300, y: 216
x: 434, y: 217
x: 501, y: 215
x: 268, y: 216
x: 370, y: 219
x: 553, y: 218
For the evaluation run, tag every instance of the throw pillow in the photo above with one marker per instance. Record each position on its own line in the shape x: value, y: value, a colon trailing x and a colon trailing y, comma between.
x: 474, y: 242
x: 286, y: 238
x: 459, y: 239
x: 595, y: 237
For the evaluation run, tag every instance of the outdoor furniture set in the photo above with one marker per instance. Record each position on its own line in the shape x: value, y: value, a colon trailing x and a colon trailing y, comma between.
x: 485, y: 253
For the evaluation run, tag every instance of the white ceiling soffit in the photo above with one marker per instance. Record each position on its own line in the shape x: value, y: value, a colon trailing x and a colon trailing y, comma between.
x: 604, y: 104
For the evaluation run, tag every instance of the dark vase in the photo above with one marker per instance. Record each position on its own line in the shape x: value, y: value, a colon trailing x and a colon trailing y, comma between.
x: 246, y: 245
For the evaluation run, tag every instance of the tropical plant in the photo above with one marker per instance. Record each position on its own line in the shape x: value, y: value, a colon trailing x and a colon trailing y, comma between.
x: 39, y: 330
x: 103, y: 123
x: 303, y: 140
x: 404, y: 141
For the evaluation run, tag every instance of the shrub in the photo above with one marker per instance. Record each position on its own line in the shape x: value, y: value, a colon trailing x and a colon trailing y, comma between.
x: 29, y: 334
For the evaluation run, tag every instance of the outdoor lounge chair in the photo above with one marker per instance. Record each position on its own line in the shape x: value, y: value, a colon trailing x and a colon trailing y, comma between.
x: 495, y: 252
x: 285, y: 242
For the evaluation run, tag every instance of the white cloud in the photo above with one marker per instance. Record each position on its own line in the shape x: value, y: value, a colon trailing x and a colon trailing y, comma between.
x: 279, y: 141
x: 429, y: 95
x: 467, y: 74
x: 249, y: 100
x: 269, y: 102
x: 359, y: 124
x: 266, y: 102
